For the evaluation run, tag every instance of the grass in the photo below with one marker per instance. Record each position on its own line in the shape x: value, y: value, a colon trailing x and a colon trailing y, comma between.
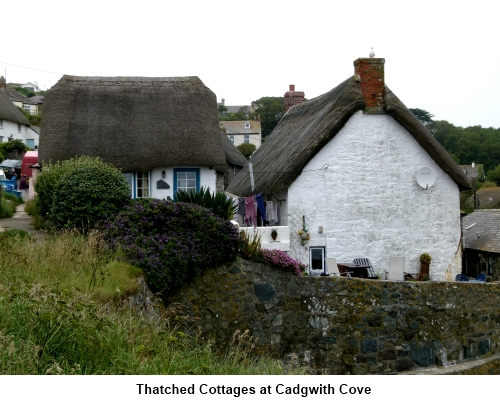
x: 61, y: 312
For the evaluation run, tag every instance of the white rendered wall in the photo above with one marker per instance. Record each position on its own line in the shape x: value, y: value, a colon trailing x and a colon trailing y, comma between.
x: 207, y: 179
x: 369, y: 203
x: 10, y: 128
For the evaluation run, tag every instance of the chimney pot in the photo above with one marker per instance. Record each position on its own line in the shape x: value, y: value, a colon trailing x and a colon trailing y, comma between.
x: 292, y: 87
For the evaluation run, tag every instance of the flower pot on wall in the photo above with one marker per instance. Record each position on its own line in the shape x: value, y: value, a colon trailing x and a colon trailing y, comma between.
x: 424, y: 270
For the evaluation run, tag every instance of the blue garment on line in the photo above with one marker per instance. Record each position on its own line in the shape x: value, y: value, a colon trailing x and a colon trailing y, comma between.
x: 262, y: 206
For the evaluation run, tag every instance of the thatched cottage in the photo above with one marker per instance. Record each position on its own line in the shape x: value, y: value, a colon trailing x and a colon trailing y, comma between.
x: 345, y: 163
x: 163, y: 133
x: 13, y: 124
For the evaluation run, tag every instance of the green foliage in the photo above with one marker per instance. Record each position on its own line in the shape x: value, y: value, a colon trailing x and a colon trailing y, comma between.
x: 171, y: 242
x: 488, y: 184
x: 79, y: 192
x: 25, y: 92
x: 87, y: 193
x: 2, y: 154
x: 220, y: 204
x: 494, y: 175
x: 425, y: 258
x: 425, y: 117
x: 247, y: 149
x: 251, y: 247
x: 8, y: 204
x: 12, y: 147
x: 270, y: 110
x: 35, y: 120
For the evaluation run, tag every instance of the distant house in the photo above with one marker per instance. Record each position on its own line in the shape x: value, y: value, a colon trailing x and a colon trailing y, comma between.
x: 474, y: 171
x: 240, y: 132
x: 13, y: 124
x: 163, y: 133
x: 226, y: 110
x: 482, y: 243
x: 486, y: 198
x: 234, y: 159
x: 38, y: 101
x: 344, y: 166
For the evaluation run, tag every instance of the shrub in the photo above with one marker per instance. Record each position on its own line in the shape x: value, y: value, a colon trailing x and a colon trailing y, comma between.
x: 81, y: 192
x: 425, y: 258
x: 221, y: 205
x: 282, y: 261
x: 169, y: 241
x: 251, y: 246
x: 13, y: 148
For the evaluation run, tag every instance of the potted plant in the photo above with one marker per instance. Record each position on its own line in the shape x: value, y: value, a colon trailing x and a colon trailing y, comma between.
x: 425, y: 261
x: 274, y: 233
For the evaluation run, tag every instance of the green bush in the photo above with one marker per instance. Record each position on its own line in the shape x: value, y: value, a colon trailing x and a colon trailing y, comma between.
x: 171, y: 242
x: 89, y: 191
x: 220, y: 204
x: 13, y: 145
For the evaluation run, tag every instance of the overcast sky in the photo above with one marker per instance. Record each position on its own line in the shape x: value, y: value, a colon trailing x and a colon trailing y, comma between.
x: 440, y: 56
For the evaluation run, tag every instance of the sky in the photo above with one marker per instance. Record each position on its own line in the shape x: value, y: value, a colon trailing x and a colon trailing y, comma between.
x: 440, y: 56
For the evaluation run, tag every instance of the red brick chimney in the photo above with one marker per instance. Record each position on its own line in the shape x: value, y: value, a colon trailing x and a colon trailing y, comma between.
x: 371, y: 75
x: 293, y: 97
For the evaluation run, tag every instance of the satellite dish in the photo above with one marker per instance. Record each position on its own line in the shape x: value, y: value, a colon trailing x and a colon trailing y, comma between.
x: 426, y: 177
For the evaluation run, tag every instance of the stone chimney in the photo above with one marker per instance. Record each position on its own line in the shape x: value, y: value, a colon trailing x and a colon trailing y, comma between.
x: 370, y: 72
x: 293, y: 97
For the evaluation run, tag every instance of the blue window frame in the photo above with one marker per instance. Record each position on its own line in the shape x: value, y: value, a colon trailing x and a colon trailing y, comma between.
x: 186, y: 180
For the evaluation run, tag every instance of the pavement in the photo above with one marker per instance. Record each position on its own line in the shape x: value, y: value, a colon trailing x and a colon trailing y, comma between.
x: 20, y: 220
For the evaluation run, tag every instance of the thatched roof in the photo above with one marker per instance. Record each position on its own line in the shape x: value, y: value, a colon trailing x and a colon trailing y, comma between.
x: 309, y: 126
x: 134, y: 123
x: 9, y: 111
x: 233, y: 154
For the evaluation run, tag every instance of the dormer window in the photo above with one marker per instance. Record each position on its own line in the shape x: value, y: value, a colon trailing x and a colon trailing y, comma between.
x: 247, y: 125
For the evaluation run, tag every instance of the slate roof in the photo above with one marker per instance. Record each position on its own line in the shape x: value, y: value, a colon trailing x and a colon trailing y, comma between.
x: 470, y: 171
x: 307, y: 127
x: 9, y: 111
x: 134, y: 123
x: 488, y: 197
x: 483, y: 231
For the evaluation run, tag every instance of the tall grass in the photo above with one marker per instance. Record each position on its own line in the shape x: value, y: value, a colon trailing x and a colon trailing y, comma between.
x: 56, y: 318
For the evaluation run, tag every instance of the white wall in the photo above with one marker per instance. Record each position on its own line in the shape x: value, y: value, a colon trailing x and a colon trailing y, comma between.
x: 9, y: 128
x: 369, y: 203
x: 207, y: 179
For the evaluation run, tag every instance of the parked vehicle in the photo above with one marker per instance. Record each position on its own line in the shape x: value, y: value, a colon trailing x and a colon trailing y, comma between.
x: 30, y: 158
x: 10, y: 167
x: 2, y: 175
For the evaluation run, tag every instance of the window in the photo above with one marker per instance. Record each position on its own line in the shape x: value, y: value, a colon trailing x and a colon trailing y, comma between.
x: 316, y: 260
x: 130, y: 181
x: 30, y: 143
x: 19, y: 127
x: 231, y: 138
x: 1, y: 123
x: 246, y: 138
x: 26, y: 108
x: 142, y: 185
x: 247, y: 125
x: 186, y: 180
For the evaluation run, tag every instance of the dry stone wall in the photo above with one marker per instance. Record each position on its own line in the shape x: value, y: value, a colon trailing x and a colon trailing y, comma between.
x: 346, y: 325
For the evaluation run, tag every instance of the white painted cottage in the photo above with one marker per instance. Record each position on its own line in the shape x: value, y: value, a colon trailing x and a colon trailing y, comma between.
x: 344, y: 165
x: 162, y: 132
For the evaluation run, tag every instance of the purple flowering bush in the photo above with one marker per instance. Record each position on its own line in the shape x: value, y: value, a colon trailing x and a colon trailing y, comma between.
x: 282, y: 261
x: 171, y: 241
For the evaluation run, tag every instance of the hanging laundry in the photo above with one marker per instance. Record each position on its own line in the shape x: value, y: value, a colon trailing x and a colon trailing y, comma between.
x: 271, y: 217
x: 241, y: 210
x: 262, y: 206
x: 250, y: 212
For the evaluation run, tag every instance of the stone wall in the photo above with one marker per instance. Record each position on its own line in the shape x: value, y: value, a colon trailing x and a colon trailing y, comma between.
x: 346, y: 325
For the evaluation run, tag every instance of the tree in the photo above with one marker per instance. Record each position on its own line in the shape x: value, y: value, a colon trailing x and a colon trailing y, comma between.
x: 247, y: 149
x: 12, y: 148
x: 270, y: 110
x: 494, y: 175
x: 425, y: 117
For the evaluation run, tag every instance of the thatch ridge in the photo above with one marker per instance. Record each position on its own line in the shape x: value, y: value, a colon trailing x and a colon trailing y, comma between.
x: 309, y: 126
x: 134, y: 123
x: 9, y: 111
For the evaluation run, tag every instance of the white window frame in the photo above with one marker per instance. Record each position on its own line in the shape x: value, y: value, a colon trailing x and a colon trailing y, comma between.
x: 142, y: 190
x: 231, y: 138
x: 247, y: 125
x: 246, y: 138
x: 317, y: 271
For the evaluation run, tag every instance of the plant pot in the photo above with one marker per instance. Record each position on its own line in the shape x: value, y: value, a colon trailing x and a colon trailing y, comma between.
x: 274, y: 236
x: 424, y: 270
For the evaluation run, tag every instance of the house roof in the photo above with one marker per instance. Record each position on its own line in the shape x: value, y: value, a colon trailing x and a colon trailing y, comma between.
x: 14, y: 95
x: 9, y: 111
x: 309, y: 126
x: 472, y: 172
x: 488, y: 197
x: 134, y: 123
x: 37, y: 99
x: 482, y: 230
x: 233, y: 154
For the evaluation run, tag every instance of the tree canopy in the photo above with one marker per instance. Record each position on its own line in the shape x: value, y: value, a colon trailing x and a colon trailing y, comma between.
x: 247, y: 149
x: 270, y: 110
